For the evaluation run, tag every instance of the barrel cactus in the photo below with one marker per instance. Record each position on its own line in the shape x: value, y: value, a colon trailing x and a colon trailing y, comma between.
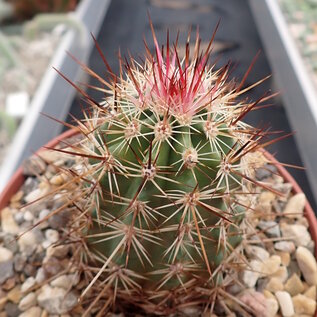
x: 157, y: 192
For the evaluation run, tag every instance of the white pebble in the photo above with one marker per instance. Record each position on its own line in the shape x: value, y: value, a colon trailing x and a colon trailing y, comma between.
x: 285, y: 246
x: 258, y: 253
x: 295, y: 206
x: 307, y: 264
x: 27, y: 301
x: 28, y: 216
x: 40, y: 276
x: 5, y: 255
x: 34, y: 195
x: 52, y: 235
x: 272, y: 307
x: 32, y: 312
x: 28, y: 283
x: 304, y: 305
x: 27, y: 242
x: 251, y: 274
x: 271, y: 265
x: 44, y: 213
x: 63, y: 281
x: 46, y: 244
x: 297, y: 233
x: 8, y: 223
x: 286, y: 303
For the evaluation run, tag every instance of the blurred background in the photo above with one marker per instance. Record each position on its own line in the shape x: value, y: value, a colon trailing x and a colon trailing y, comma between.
x: 34, y: 35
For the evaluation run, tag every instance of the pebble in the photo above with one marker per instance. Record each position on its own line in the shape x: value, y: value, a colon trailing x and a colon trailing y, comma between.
x: 304, y: 305
x: 40, y: 276
x: 63, y: 281
x: 281, y: 274
x: 27, y: 301
x: 9, y: 284
x: 297, y: 233
x: 58, y: 180
x: 307, y: 264
x: 274, y: 285
x: 34, y: 195
x: 270, y: 228
x: 10, y: 243
x: 28, y: 242
x: 286, y: 304
x: 52, y: 235
x: 265, y: 172
x: 293, y: 268
x: 19, y: 262
x: 271, y: 306
x: 285, y: 246
x: 28, y: 216
x: 29, y: 184
x: 271, y: 265
x: 58, y: 220
x: 255, y: 300
x: 6, y: 264
x: 285, y: 257
x: 311, y: 292
x: 15, y: 295
x: 8, y: 223
x: 257, y: 253
x: 52, y: 266
x: 32, y: 312
x: 34, y: 166
x: 294, y: 285
x: 43, y: 214
x: 252, y: 273
x: 58, y: 252
x: 56, y: 300
x: 29, y: 270
x: 19, y: 217
x: 12, y: 309
x: 303, y: 221
x: 28, y: 284
x: 295, y: 206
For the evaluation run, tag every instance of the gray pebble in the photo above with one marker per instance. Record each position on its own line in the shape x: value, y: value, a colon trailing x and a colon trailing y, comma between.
x: 19, y: 262
x: 10, y: 242
x: 56, y: 300
x: 265, y: 172
x: 29, y: 185
x: 12, y: 309
x: 6, y: 264
x: 270, y: 228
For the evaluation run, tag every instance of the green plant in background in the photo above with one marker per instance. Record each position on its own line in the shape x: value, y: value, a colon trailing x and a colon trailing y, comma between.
x: 7, y: 124
x: 162, y: 181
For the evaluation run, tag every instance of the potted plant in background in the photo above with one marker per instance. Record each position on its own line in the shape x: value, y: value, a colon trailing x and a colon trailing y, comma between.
x: 160, y: 201
x: 29, y: 31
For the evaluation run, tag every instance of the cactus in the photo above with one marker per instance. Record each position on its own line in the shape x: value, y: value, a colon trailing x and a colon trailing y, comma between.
x: 156, y: 190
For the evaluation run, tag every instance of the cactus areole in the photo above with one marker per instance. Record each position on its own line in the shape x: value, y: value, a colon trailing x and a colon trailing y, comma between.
x: 156, y: 191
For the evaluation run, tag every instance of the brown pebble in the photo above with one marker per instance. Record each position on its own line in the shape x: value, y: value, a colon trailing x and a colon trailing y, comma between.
x: 17, y: 197
x: 311, y: 292
x: 294, y: 285
x: 9, y: 283
x: 15, y: 295
x: 285, y: 257
x: 3, y: 301
x: 44, y: 313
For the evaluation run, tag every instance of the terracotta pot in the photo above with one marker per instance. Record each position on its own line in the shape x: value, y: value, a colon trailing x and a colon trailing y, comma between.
x: 18, y: 179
